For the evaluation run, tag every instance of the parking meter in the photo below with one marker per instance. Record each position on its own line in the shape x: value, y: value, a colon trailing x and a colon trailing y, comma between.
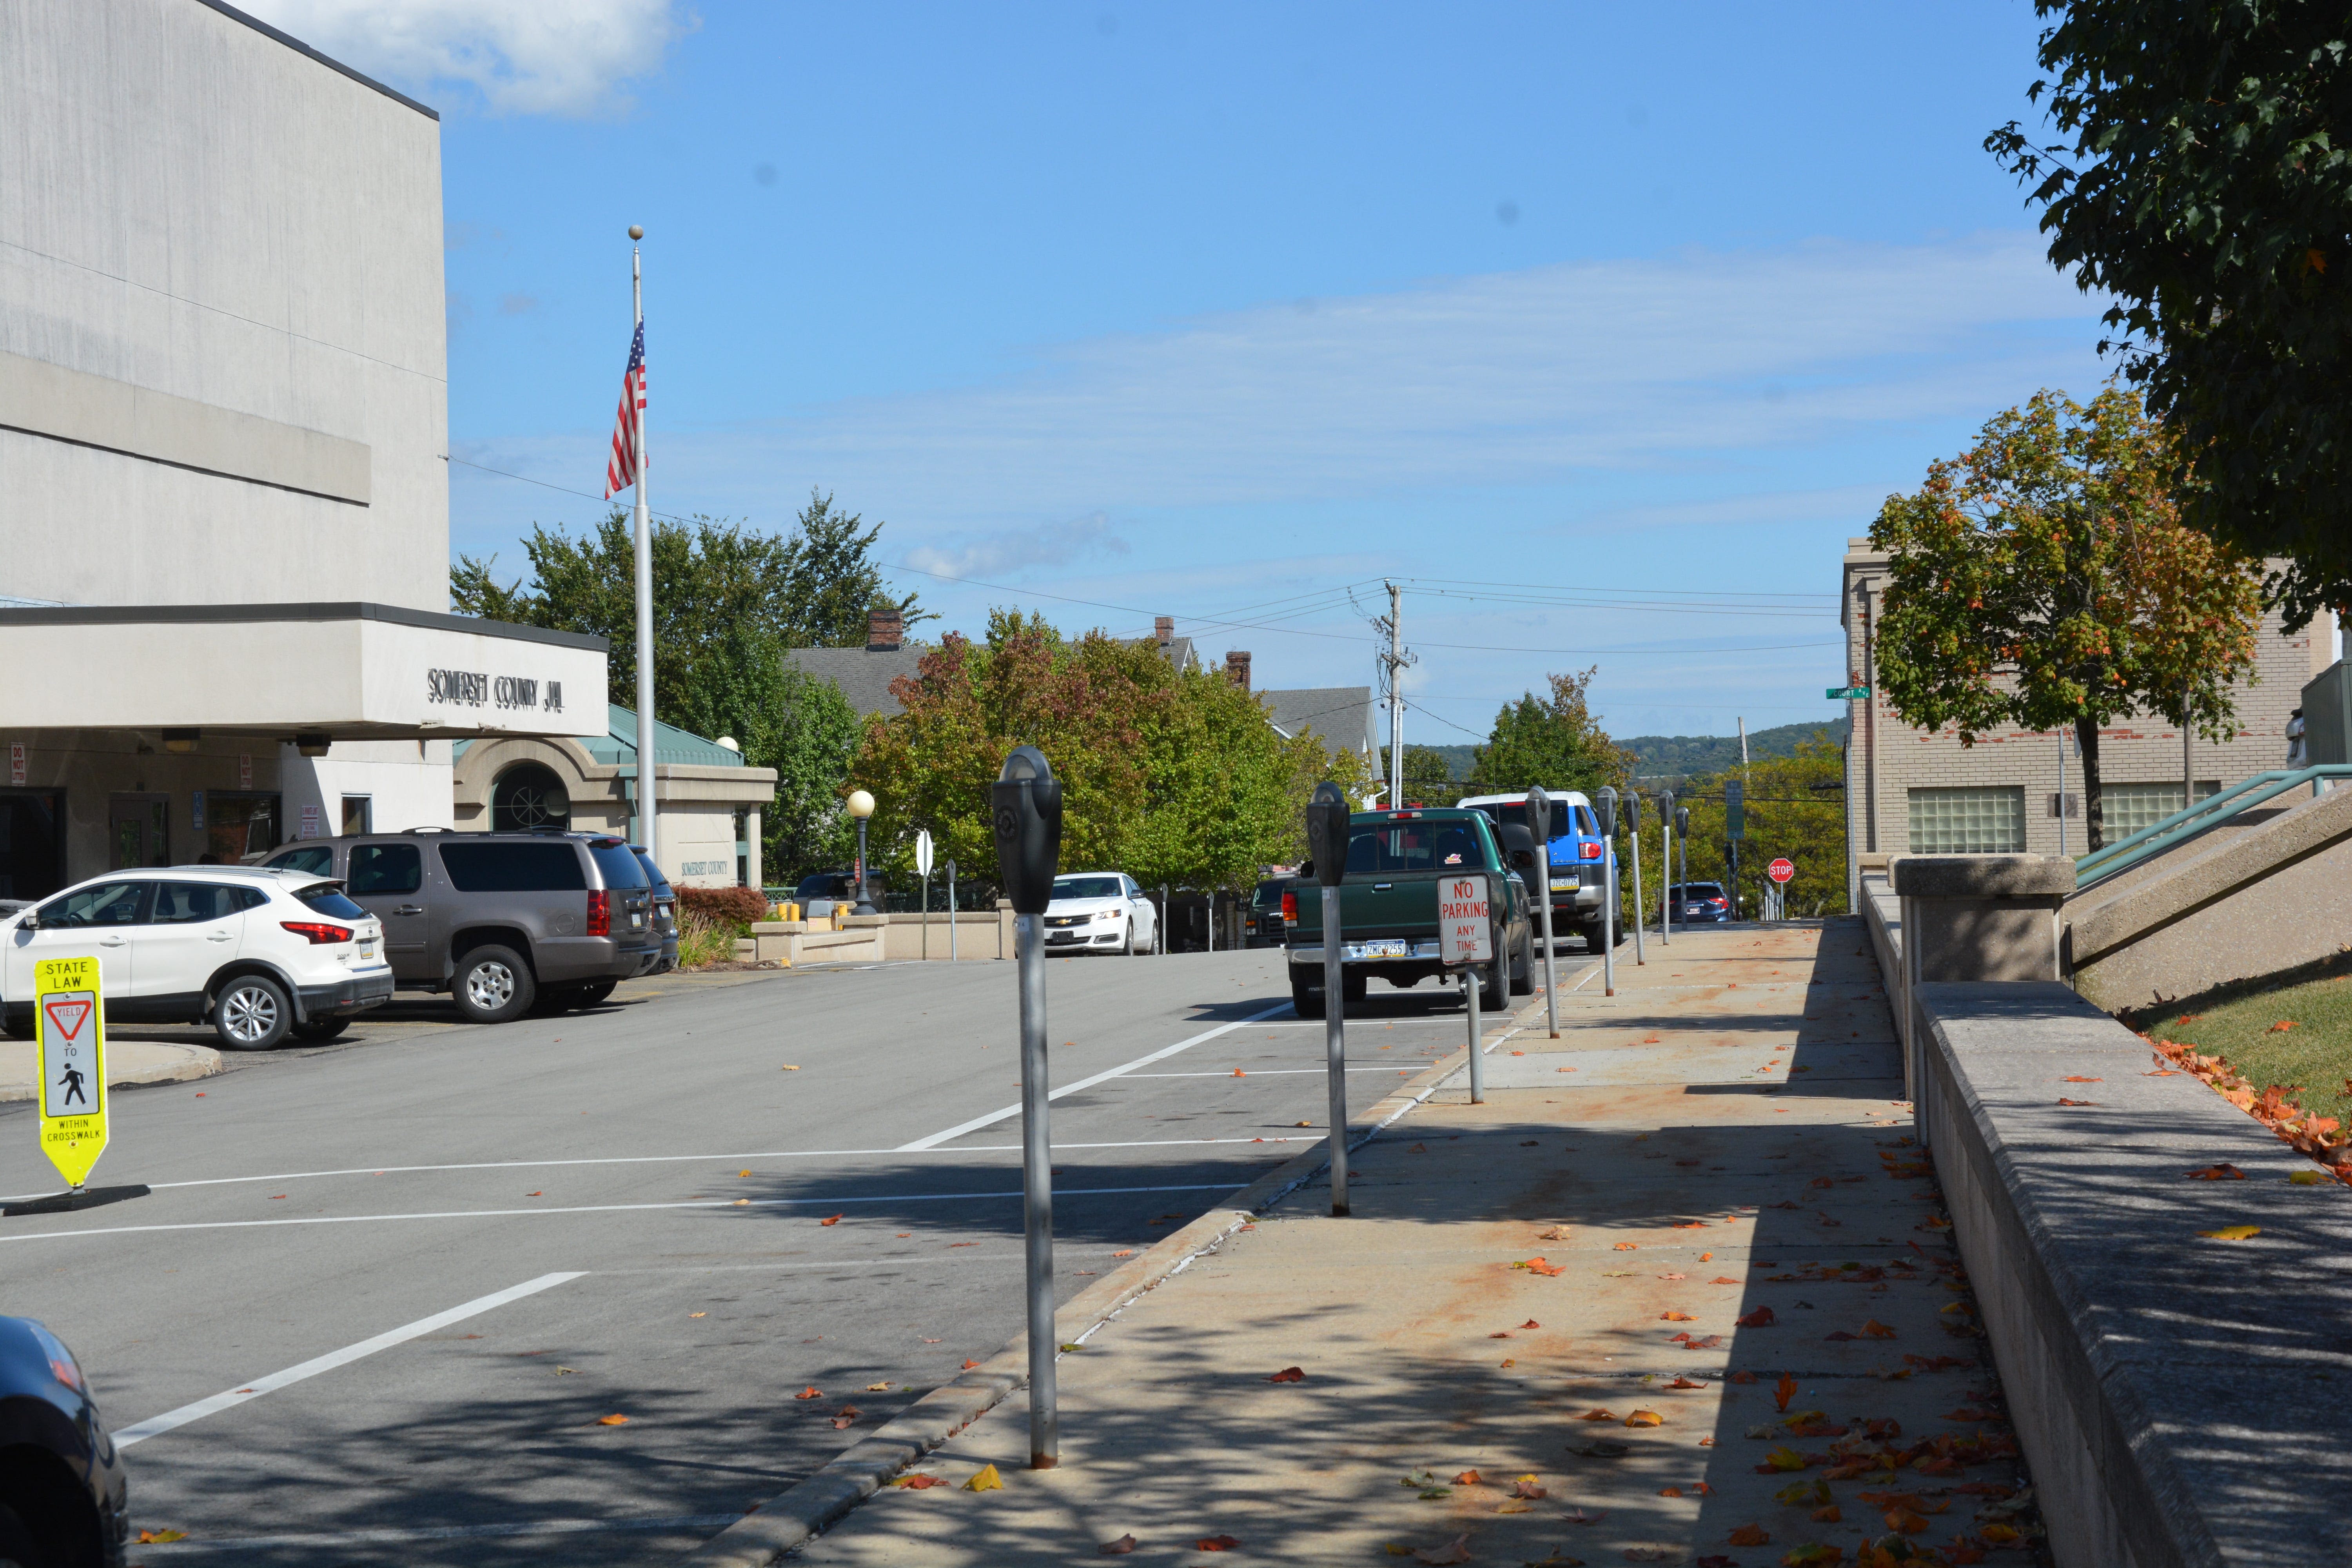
x: 1682, y: 821
x: 1327, y: 842
x: 1666, y: 866
x: 1604, y: 805
x: 1026, y: 802
x: 1632, y: 806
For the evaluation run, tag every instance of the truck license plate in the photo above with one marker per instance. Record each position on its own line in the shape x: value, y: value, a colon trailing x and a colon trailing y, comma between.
x: 1393, y: 948
x: 1563, y: 884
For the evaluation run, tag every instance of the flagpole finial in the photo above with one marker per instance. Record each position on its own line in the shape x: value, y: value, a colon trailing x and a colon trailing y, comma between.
x: 637, y: 231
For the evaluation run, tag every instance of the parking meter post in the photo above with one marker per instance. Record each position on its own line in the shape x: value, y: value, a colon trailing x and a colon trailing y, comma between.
x: 1666, y: 870
x: 951, y: 913
x: 1470, y: 989
x: 1026, y: 807
x: 1539, y: 819
x: 1633, y: 808
x: 1606, y: 803
x: 1327, y: 842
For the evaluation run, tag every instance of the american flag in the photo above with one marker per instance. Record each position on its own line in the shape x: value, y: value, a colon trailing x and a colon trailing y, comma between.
x: 622, y: 471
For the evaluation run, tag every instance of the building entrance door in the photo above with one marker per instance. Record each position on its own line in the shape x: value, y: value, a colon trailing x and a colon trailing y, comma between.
x: 139, y: 832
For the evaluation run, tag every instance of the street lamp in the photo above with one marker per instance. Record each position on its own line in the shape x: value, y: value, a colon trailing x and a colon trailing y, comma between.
x: 861, y: 807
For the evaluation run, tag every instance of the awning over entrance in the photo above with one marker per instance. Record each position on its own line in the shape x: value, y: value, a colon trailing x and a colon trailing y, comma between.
x: 342, y: 671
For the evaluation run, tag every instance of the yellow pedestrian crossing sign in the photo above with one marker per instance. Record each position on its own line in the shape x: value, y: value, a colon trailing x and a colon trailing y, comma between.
x: 70, y: 1016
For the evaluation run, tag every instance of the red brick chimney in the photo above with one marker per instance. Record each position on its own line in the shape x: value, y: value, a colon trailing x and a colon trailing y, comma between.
x: 1237, y: 666
x: 1163, y: 629
x: 884, y: 630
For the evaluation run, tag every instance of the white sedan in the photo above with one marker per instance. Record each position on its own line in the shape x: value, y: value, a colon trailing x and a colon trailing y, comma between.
x: 1103, y: 911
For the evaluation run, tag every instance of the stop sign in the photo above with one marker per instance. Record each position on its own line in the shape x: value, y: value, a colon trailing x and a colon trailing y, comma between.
x: 1780, y: 870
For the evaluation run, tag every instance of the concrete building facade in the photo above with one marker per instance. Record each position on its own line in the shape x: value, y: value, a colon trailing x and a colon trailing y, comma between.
x: 1911, y: 792
x: 224, y: 558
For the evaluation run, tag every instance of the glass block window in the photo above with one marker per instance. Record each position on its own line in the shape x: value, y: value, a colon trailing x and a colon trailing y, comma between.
x: 2129, y: 807
x: 1984, y: 820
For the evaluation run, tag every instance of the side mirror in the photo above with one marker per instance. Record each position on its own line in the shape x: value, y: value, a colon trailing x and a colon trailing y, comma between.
x: 1523, y: 859
x: 29, y: 920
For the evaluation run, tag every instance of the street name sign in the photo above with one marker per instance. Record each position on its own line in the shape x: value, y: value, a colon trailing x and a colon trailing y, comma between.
x: 1780, y: 870
x: 70, y: 1016
x: 1846, y: 693
x: 1462, y: 916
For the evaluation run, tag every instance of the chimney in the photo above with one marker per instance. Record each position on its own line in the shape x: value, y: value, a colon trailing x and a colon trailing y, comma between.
x: 1238, y: 664
x: 1163, y: 629
x: 885, y: 629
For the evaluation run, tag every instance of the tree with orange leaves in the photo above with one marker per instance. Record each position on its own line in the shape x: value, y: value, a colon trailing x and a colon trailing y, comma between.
x: 2042, y: 579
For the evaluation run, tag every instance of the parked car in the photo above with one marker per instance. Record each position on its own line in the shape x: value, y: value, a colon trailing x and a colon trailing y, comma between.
x: 64, y: 1500
x: 1389, y: 907
x: 819, y: 891
x: 260, y: 954
x: 1262, y: 921
x: 501, y: 921
x: 1580, y: 859
x: 1101, y: 911
x: 665, y: 909
x: 1699, y: 903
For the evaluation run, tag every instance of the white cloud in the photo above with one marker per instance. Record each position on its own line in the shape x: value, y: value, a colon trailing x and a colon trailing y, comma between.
x: 1011, y: 550
x: 1512, y: 378
x: 522, y: 56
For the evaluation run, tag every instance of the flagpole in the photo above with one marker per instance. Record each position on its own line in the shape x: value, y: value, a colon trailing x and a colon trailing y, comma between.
x: 648, y: 765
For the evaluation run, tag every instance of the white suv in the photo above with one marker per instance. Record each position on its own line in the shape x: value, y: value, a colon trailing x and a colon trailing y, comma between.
x: 256, y: 954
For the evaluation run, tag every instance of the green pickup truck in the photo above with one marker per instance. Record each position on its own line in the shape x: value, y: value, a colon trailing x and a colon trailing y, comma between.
x: 1387, y: 907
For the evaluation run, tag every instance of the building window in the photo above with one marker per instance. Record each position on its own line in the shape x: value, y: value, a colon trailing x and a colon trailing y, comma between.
x: 359, y: 815
x: 529, y: 795
x: 237, y: 824
x: 2125, y: 809
x: 32, y: 844
x: 1986, y: 820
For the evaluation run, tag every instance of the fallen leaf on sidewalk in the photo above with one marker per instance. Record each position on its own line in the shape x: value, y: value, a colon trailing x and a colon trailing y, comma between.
x: 1627, y: 1247
x: 1215, y: 1544
x: 1681, y: 1382
x: 611, y: 1421
x: 1537, y: 1266
x: 1288, y: 1374
x: 2077, y: 1077
x: 1598, y: 1415
x: 918, y: 1483
x: 2233, y: 1233
x: 1782, y: 1458
x: 1743, y: 1378
x: 1709, y: 1343
x: 811, y: 1392
x: 2161, y: 1072
x: 1749, y: 1535
x: 537, y: 1194
x: 697, y: 1314
x: 1531, y: 1323
x: 1676, y: 1318
x: 1829, y: 1515
x: 1119, y: 1548
x: 1454, y: 1551
x: 835, y: 1220
x: 1872, y: 1329
x: 740, y: 1204
x: 873, y: 1387
x: 158, y: 1537
x: 2064, y: 1100
x: 1646, y: 1418
x: 1557, y: 1233
x: 846, y: 1418
x: 742, y: 1172
x: 985, y: 1479
x: 1674, y: 1276
x: 1723, y: 1279
x: 1418, y: 1148
x: 1761, y: 1317
x: 1239, y: 1073
x: 2224, y: 1172
x: 1578, y: 1515
x: 1469, y: 1479
x: 1670, y: 1492
x: 791, y: 1068
x: 1526, y: 1487
x: 1129, y: 1253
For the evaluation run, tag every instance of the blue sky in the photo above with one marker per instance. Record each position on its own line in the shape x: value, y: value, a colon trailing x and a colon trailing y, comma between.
x: 1191, y: 309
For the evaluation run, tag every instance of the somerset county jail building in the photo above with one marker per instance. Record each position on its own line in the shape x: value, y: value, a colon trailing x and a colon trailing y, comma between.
x: 223, y: 552
x: 1911, y: 792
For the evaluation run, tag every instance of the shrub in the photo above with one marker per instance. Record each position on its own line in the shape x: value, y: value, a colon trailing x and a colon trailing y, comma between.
x: 733, y: 908
x: 702, y: 941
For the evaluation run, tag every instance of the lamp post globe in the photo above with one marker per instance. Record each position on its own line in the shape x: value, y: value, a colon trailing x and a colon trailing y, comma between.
x: 861, y: 807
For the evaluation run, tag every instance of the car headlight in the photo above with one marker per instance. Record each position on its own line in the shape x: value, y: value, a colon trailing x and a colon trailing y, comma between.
x: 1108, y: 914
x: 62, y: 1365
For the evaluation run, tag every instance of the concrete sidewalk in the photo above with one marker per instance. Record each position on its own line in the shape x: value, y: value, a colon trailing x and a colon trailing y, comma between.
x: 1703, y: 1185
x: 127, y: 1062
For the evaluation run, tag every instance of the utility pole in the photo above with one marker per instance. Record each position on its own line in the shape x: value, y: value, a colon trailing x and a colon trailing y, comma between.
x: 1396, y: 697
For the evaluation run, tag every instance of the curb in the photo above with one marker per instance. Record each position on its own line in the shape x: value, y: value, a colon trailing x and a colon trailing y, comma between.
x: 792, y: 1516
x: 187, y: 1064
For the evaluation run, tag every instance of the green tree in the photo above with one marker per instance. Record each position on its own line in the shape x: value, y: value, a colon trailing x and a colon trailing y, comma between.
x: 1551, y: 741
x: 813, y: 741
x: 1169, y: 776
x: 2043, y: 580
x: 1429, y: 777
x: 2204, y: 184
x: 1795, y: 807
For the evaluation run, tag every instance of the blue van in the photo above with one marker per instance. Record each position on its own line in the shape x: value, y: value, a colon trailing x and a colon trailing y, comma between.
x: 1580, y: 859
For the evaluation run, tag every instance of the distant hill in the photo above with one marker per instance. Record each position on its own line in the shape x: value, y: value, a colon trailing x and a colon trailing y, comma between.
x: 1666, y: 756
x: 1457, y: 759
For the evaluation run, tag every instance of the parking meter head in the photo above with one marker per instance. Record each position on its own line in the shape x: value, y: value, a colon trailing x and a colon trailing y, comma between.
x: 1327, y: 834
x: 1539, y: 816
x: 1632, y: 806
x: 1681, y: 820
x: 1604, y: 805
x: 1026, y: 802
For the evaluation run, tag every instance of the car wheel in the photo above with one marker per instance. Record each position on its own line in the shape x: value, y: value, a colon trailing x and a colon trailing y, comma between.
x: 320, y: 1030
x: 492, y: 986
x: 1494, y: 988
x: 17, y: 1547
x: 252, y: 1013
x: 1523, y: 977
x: 1305, y: 1000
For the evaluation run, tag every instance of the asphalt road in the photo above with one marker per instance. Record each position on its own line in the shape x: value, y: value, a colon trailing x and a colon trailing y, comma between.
x: 385, y: 1292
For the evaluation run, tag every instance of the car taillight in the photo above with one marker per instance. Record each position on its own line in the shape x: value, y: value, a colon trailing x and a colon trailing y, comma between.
x: 1588, y: 851
x: 1290, y: 907
x: 319, y: 933
x: 600, y: 913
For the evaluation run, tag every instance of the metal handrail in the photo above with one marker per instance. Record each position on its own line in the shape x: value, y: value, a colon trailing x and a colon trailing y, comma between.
x: 2206, y: 813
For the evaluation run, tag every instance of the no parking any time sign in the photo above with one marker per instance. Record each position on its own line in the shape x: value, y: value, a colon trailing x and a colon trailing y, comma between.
x: 1462, y: 913
x: 70, y: 1014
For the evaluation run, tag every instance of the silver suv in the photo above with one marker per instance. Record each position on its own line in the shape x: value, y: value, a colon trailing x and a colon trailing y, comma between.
x: 500, y: 920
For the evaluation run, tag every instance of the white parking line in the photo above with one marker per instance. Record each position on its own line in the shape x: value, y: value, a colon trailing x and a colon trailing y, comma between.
x: 1284, y: 1072
x: 993, y: 1117
x: 595, y: 1209
x: 735, y: 1159
x: 155, y: 1426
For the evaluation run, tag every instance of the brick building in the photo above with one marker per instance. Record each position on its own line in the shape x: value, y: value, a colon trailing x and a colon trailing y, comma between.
x: 1908, y: 791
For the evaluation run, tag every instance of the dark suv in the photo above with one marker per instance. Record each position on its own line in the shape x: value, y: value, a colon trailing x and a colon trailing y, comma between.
x: 499, y: 921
